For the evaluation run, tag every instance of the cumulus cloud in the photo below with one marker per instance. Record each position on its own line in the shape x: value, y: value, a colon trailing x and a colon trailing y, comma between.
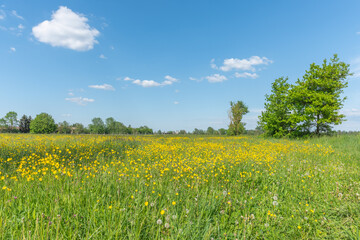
x: 103, y: 87
x: 15, y: 14
x: 176, y: 102
x: 216, y: 78
x: 151, y: 83
x: 66, y: 29
x: 246, y: 75
x: 242, y: 64
x: 12, y: 49
x: 80, y: 100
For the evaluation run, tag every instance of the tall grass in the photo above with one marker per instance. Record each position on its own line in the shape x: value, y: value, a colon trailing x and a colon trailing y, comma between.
x: 109, y: 187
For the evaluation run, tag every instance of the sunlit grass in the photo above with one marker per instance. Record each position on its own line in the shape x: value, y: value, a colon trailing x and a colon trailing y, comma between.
x: 119, y: 187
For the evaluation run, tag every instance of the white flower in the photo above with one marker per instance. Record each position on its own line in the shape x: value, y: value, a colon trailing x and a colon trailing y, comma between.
x: 266, y: 225
x: 167, y: 225
x: 275, y: 203
x: 159, y: 221
x: 275, y: 198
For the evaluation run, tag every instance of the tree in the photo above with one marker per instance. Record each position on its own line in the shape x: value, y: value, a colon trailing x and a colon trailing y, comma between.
x: 210, y: 131
x: 11, y: 120
x: 64, y: 127
x: 43, y: 123
x: 198, y: 132
x: 24, y: 124
x: 222, y: 131
x: 78, y: 128
x: 316, y: 98
x: 275, y: 120
x: 97, y: 126
x: 236, y: 113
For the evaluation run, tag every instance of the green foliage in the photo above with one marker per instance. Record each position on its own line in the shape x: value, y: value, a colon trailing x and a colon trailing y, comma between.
x: 64, y: 128
x: 43, y: 123
x: 316, y: 99
x: 210, y: 131
x: 275, y: 120
x: 311, y: 106
x: 78, y: 128
x: 236, y: 113
x: 222, y: 131
x: 24, y: 124
x: 97, y: 126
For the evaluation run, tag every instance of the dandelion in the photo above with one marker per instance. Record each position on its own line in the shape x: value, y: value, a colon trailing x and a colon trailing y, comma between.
x: 167, y: 225
x: 275, y: 198
x: 266, y: 225
x: 162, y: 212
x: 275, y: 203
x: 173, y: 203
x: 159, y: 221
x: 146, y: 204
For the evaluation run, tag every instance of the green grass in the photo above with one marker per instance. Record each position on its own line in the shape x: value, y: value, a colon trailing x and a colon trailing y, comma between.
x: 305, y: 192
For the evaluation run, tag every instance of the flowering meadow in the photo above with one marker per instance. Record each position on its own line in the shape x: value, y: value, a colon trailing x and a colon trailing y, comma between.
x: 178, y: 187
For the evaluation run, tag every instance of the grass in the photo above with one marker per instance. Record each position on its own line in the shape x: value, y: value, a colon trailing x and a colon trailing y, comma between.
x: 155, y: 187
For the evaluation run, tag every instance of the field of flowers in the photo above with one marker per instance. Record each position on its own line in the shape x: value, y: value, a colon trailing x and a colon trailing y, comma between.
x: 178, y: 187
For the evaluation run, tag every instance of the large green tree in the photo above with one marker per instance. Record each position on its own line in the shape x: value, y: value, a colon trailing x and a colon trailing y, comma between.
x: 316, y: 99
x: 237, y: 111
x: 64, y: 127
x: 275, y: 119
x: 43, y: 123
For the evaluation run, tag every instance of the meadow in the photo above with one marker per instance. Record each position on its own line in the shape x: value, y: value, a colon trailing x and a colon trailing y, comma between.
x: 178, y: 187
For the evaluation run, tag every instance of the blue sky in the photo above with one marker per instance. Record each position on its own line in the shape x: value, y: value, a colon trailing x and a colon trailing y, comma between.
x: 169, y: 65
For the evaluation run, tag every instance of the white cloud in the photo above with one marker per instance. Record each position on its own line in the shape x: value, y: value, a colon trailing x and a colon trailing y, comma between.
x: 216, y: 78
x: 71, y: 94
x: 20, y: 26
x: 212, y: 64
x: 246, y: 75
x: 13, y: 49
x: 66, y: 29
x: 66, y: 115
x: 102, y: 56
x: 103, y: 87
x: 15, y: 14
x: 243, y: 64
x: 151, y: 83
x: 176, y: 102
x: 195, y: 79
x: 80, y: 100
x: 170, y: 78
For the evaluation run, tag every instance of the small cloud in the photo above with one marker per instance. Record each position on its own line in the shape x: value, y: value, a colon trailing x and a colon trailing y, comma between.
x: 2, y: 14
x: 15, y: 14
x: 351, y: 112
x: 171, y: 79
x: 244, y: 64
x: 105, y: 86
x: 177, y: 90
x: 195, y: 79
x: 112, y: 48
x: 12, y: 49
x: 71, y: 94
x: 212, y: 64
x: 102, y: 56
x: 66, y: 29
x: 21, y: 27
x: 66, y: 115
x: 80, y: 100
x: 246, y: 75
x: 176, y: 102
x: 151, y: 83
x: 216, y: 78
